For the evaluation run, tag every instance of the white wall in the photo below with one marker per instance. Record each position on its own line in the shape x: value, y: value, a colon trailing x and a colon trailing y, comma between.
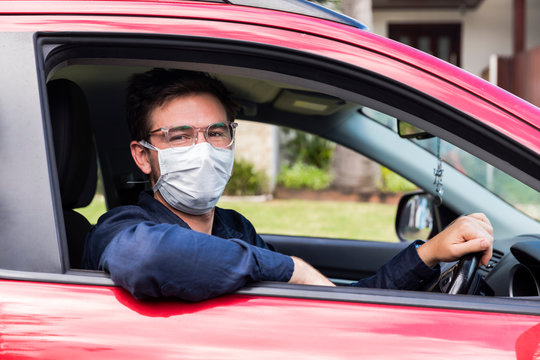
x: 532, y: 24
x: 486, y: 30
x: 259, y: 144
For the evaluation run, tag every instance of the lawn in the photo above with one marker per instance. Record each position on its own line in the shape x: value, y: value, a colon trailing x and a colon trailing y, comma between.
x: 96, y: 208
x: 339, y: 219
x: 350, y: 220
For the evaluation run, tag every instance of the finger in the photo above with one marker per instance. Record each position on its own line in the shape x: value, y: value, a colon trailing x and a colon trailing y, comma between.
x: 483, y: 245
x: 486, y: 256
x: 480, y: 216
x: 474, y: 226
x: 473, y: 246
x: 482, y: 220
x: 472, y: 231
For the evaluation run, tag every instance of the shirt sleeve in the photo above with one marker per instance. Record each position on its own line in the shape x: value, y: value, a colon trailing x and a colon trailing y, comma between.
x: 405, y: 271
x: 167, y: 260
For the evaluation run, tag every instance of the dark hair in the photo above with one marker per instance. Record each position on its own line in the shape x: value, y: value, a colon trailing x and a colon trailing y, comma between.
x: 156, y: 87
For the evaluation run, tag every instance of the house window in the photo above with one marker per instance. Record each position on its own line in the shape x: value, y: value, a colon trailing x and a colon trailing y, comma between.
x: 440, y: 40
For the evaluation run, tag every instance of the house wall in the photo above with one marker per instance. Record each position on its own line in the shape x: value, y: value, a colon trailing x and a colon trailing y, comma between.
x: 532, y: 24
x: 259, y: 144
x: 486, y: 30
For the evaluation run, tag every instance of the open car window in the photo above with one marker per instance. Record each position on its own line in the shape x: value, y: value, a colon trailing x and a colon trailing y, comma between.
x: 311, y: 186
x: 310, y: 99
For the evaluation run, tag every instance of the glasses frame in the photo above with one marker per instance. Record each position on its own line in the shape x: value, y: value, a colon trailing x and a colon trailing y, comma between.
x: 165, y: 130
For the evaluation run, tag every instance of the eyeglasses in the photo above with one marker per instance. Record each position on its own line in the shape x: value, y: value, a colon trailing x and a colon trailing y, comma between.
x: 219, y: 135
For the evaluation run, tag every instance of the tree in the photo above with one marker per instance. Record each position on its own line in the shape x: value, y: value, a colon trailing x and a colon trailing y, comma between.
x: 353, y: 172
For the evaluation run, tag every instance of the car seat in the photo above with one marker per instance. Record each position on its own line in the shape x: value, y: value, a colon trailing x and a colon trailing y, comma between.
x: 75, y: 159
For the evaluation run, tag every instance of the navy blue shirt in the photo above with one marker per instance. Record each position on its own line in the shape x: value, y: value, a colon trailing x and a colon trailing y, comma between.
x: 151, y: 252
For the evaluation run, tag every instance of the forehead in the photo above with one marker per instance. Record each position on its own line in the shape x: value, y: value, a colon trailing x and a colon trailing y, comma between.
x: 197, y: 110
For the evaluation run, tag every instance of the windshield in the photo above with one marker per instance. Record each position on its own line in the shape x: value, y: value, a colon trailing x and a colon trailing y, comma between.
x: 511, y: 190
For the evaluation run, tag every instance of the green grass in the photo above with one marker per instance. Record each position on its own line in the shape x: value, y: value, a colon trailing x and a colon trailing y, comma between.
x: 349, y: 220
x: 93, y: 211
x: 336, y: 219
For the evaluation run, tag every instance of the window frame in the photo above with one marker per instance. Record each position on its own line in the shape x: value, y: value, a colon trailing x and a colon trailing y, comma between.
x: 234, y: 53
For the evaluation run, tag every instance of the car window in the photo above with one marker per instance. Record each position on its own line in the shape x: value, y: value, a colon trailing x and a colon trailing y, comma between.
x: 290, y: 101
x: 291, y: 182
x: 513, y: 191
x: 508, y: 188
x: 295, y: 192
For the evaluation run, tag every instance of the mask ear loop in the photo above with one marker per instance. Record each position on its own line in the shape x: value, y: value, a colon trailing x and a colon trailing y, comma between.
x: 147, y: 145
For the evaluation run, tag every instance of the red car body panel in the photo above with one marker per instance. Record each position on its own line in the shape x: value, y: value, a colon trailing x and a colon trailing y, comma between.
x: 269, y: 18
x: 507, y: 121
x: 39, y: 321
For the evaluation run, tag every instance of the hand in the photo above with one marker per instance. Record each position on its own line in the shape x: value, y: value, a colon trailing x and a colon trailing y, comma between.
x: 306, y: 274
x: 467, y: 234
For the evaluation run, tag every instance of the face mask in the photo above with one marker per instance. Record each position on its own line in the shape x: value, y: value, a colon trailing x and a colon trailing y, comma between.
x: 193, y: 178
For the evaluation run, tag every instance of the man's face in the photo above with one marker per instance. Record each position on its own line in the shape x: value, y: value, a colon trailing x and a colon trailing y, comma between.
x: 197, y: 110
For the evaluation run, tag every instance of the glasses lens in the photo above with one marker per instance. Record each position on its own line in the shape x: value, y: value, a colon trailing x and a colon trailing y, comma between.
x: 181, y: 136
x: 219, y: 135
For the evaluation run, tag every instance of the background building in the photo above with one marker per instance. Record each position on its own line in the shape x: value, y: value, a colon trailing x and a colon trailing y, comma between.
x: 495, y: 39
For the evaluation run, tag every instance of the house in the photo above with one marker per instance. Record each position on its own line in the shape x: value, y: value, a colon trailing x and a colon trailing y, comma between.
x: 496, y: 39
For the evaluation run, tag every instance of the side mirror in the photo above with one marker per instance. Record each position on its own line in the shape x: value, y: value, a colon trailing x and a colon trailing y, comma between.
x: 415, y: 217
x: 407, y: 131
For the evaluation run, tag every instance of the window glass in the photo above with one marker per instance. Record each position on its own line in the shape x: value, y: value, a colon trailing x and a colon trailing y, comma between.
x: 304, y: 197
x: 511, y: 190
x: 503, y: 185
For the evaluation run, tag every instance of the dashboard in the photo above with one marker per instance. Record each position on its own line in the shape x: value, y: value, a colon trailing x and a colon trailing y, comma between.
x: 515, y: 267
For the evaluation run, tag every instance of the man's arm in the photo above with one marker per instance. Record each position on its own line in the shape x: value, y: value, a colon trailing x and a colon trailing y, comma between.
x: 160, y: 260
x: 169, y: 261
x: 410, y: 269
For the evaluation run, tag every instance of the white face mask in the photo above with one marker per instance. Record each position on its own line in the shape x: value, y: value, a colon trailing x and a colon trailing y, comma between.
x: 193, y: 178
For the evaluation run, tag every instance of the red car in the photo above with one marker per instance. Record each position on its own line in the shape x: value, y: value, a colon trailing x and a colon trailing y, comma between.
x: 302, y: 67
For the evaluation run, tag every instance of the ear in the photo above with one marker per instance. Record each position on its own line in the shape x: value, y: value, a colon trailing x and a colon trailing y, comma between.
x: 140, y: 155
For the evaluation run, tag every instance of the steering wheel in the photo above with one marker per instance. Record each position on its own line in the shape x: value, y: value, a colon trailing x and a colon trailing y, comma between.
x: 459, y: 277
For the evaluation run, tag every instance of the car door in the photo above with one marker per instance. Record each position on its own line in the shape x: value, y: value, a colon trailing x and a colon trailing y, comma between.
x: 81, y: 314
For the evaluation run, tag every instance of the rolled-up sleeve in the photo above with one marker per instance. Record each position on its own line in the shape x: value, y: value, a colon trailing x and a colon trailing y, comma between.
x: 167, y: 260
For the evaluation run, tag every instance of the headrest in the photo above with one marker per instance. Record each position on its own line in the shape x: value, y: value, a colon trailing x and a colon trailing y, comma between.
x: 73, y: 143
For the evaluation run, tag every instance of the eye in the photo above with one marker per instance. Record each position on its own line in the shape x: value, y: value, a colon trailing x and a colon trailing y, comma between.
x: 179, y: 137
x: 217, y: 134
x: 181, y: 134
x: 218, y: 130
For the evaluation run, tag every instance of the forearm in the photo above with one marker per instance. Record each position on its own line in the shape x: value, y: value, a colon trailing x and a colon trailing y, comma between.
x: 306, y: 274
x: 177, y: 262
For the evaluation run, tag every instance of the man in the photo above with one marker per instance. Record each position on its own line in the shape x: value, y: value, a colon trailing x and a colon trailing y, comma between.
x: 177, y: 243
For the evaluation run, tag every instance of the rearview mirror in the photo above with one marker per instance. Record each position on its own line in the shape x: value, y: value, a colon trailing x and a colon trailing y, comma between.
x: 407, y: 131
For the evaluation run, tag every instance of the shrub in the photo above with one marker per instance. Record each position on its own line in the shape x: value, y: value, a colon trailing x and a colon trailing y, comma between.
x: 304, y: 176
x: 308, y: 149
x: 393, y: 183
x: 246, y: 180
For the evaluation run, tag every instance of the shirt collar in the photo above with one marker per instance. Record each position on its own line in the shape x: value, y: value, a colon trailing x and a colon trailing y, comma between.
x: 161, y: 214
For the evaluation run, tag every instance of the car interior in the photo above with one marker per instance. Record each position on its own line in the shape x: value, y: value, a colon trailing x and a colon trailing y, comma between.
x: 86, y: 89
